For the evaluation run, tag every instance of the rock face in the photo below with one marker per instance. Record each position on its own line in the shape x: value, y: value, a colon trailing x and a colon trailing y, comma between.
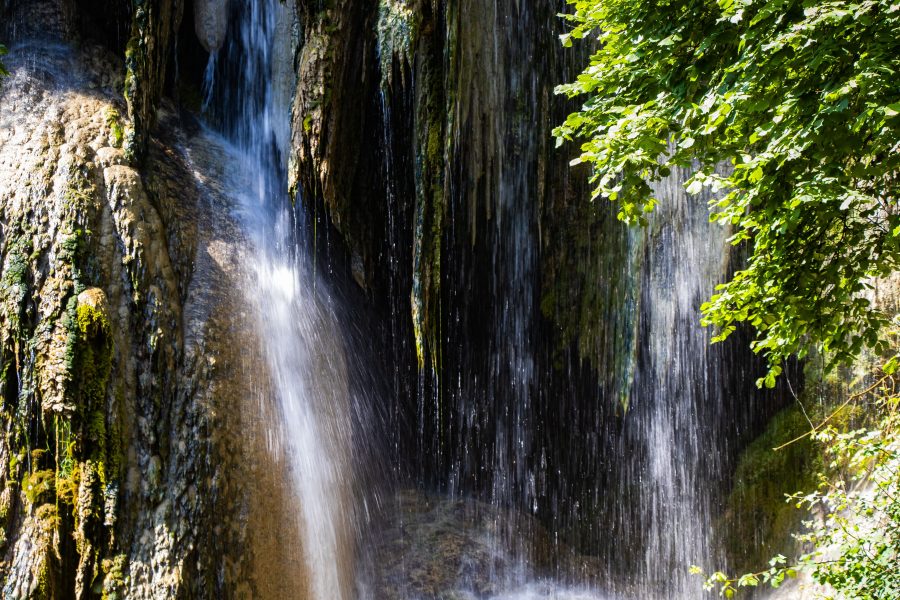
x: 211, y: 22
x: 154, y: 24
x: 437, y: 547
x: 132, y: 455
x: 332, y: 113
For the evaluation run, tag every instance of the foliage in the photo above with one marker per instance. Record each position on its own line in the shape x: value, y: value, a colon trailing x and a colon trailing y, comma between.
x: 853, y: 535
x: 3, y: 71
x: 788, y: 110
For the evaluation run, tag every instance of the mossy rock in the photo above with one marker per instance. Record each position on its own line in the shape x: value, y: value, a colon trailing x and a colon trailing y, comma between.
x: 760, y: 520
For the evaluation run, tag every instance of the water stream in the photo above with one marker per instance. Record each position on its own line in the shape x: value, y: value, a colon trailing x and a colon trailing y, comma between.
x: 248, y: 91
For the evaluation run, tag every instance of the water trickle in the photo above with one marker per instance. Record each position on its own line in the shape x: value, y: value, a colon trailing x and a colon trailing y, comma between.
x: 673, y: 426
x: 247, y: 95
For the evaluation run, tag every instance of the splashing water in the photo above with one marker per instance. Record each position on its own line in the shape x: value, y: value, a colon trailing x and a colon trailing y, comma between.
x: 679, y: 395
x: 549, y: 591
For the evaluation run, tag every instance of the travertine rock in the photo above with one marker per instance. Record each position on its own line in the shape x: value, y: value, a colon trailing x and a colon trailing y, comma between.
x: 125, y: 348
x: 211, y: 22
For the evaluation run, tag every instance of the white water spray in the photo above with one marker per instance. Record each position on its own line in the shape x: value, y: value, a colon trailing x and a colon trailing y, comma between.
x: 307, y: 377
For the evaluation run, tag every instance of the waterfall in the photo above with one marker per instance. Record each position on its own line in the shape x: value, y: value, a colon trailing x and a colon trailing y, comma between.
x: 248, y: 91
x: 618, y: 439
x: 674, y: 420
x: 632, y: 462
x: 556, y: 423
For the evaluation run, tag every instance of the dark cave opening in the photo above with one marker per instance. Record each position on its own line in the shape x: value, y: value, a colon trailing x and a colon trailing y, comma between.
x: 188, y: 64
x: 105, y: 21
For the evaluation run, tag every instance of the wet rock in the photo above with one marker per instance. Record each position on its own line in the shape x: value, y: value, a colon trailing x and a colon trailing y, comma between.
x: 123, y: 347
x: 437, y: 547
x: 331, y: 113
x: 211, y: 22
x: 153, y: 29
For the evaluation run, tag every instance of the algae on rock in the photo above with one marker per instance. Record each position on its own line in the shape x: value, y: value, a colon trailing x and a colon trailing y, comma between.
x: 99, y: 263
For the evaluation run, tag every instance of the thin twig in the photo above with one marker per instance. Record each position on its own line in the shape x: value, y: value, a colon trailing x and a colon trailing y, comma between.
x: 850, y: 399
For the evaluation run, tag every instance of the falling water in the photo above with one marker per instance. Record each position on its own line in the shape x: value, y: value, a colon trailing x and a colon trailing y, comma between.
x: 642, y: 479
x: 664, y: 445
x: 678, y: 398
x: 248, y: 93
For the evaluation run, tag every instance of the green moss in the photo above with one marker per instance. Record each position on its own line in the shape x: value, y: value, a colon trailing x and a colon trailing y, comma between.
x: 73, y: 252
x: 3, y: 71
x: 17, y: 267
x: 68, y: 473
x: 15, y: 285
x: 92, y: 362
x: 116, y: 129
x: 112, y: 585
x: 15, y: 460
x: 47, y: 517
x: 79, y: 194
x: 81, y: 438
x: 67, y: 487
x: 39, y: 486
x: 434, y: 149
x: 430, y: 206
x: 5, y: 504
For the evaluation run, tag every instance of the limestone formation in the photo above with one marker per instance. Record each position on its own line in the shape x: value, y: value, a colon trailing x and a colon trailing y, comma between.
x: 211, y: 22
x: 128, y: 467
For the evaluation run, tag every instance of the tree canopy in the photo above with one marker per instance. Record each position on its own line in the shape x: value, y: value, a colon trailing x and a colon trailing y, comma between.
x: 798, y: 100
